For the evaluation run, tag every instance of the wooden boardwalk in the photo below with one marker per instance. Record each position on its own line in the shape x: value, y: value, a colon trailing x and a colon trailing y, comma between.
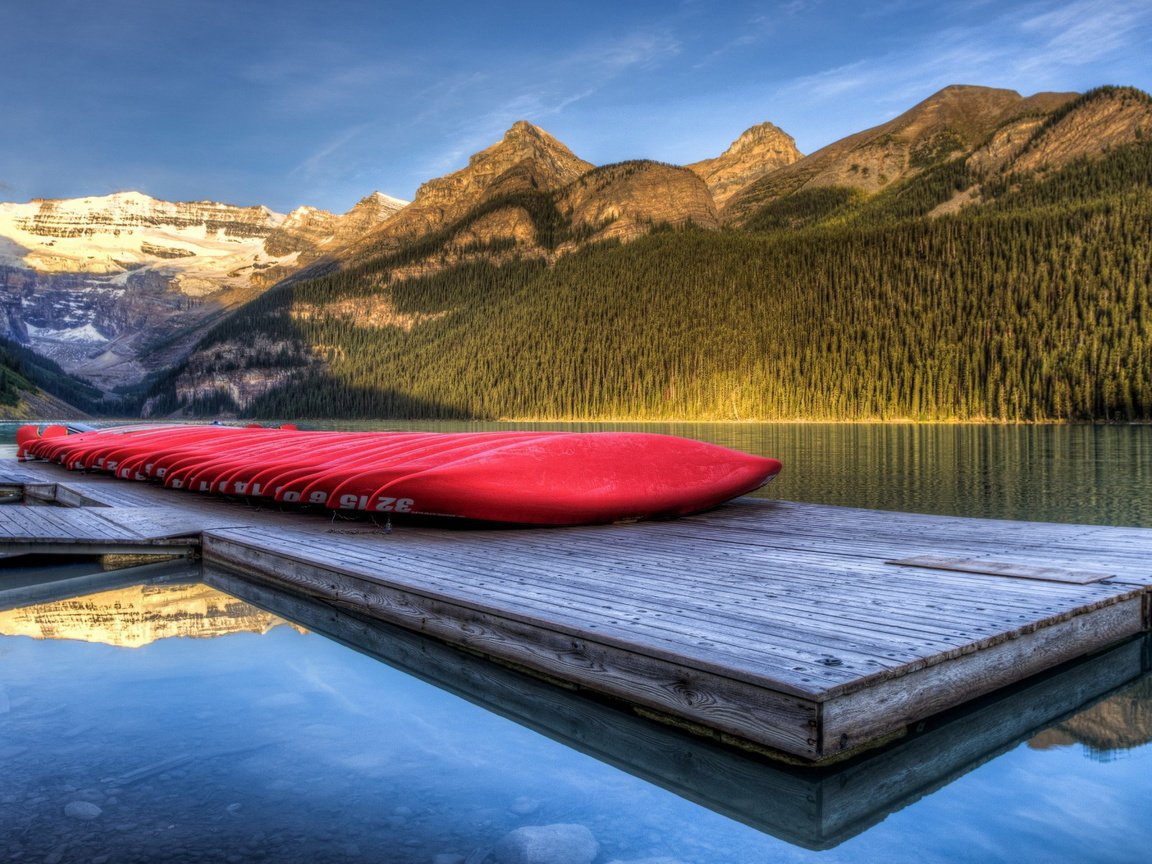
x: 808, y: 631
x: 814, y: 808
x: 90, y: 531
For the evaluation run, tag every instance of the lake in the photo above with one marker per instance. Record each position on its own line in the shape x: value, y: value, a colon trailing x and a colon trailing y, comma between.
x: 184, y: 721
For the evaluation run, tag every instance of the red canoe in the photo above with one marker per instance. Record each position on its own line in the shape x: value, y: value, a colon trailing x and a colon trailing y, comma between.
x: 532, y: 478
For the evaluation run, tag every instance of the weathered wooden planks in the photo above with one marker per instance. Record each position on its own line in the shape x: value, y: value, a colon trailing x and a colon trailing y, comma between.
x: 782, y: 625
x: 815, y: 809
x: 1006, y: 568
x: 86, y: 530
x: 855, y: 671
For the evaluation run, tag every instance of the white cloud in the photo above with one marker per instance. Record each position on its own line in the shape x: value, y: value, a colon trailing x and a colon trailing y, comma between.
x: 1021, y: 48
x: 554, y: 85
x: 316, y: 162
x: 331, y: 78
x: 833, y: 83
x: 1085, y: 31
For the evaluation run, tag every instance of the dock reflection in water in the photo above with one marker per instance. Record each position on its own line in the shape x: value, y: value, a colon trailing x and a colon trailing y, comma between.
x: 288, y: 747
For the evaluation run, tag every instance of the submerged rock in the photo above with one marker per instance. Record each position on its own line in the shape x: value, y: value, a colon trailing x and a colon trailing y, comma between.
x: 547, y: 844
x: 524, y: 806
x: 85, y: 810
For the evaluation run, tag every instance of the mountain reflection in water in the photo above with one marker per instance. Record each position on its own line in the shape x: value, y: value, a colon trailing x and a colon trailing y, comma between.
x: 259, y: 742
x: 1121, y: 722
x: 139, y: 615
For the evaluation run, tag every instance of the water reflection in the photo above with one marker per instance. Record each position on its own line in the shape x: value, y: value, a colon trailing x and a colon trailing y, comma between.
x: 271, y: 743
x: 279, y: 747
x: 816, y: 809
x: 1085, y: 474
x: 1110, y: 729
x: 139, y: 615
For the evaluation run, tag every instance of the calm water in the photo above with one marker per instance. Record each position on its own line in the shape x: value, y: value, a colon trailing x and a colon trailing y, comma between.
x: 178, y: 723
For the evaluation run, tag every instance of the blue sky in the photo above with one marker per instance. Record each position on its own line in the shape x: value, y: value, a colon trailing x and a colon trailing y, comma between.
x: 290, y: 102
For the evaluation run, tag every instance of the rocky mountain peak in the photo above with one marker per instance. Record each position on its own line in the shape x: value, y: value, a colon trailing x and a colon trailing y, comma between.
x: 523, y: 130
x: 968, y: 112
x: 302, y: 214
x: 551, y: 163
x: 526, y: 158
x: 525, y: 137
x: 758, y: 151
x: 366, y: 215
x: 371, y: 210
x: 949, y: 124
x: 761, y: 135
x: 310, y: 233
x: 380, y: 200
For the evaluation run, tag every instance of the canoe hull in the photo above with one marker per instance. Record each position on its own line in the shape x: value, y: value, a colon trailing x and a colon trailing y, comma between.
x: 578, y: 479
x: 529, y: 478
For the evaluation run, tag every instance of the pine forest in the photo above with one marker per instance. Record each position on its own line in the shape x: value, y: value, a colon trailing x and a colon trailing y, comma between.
x: 1034, y: 306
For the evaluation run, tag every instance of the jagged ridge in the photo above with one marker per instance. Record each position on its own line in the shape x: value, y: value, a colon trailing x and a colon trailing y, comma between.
x: 529, y: 198
x: 584, y: 318
x: 948, y: 125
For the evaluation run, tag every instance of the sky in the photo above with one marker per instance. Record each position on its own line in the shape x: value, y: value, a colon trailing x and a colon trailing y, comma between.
x: 321, y: 102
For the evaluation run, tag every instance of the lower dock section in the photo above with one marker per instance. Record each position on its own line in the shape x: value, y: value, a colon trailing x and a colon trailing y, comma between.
x: 812, y: 661
x: 814, y: 808
x: 805, y: 631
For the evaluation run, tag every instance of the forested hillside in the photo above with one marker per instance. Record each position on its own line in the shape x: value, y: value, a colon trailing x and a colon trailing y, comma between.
x: 11, y: 381
x: 23, y: 371
x: 829, y: 304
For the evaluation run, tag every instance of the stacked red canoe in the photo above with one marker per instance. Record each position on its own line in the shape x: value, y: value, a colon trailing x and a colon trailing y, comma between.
x: 546, y: 478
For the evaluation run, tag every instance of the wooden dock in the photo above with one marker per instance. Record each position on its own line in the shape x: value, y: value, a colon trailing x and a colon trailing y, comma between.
x: 807, y: 631
x: 818, y: 808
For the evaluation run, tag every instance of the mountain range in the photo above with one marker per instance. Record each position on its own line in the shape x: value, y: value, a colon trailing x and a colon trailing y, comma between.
x: 529, y: 248
x: 115, y: 286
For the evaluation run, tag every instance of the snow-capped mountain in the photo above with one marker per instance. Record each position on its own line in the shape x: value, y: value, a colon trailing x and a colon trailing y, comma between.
x: 121, y: 233
x: 101, y: 284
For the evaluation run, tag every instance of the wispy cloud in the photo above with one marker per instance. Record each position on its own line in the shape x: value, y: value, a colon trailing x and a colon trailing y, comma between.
x: 1022, y: 47
x: 569, y: 78
x: 331, y: 79
x: 556, y: 83
x: 756, y: 31
x: 757, y: 28
x: 834, y: 82
x: 611, y: 56
x: 315, y: 163
x: 1085, y: 31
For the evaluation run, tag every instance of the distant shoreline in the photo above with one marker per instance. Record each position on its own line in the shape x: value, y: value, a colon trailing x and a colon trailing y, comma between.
x: 571, y: 420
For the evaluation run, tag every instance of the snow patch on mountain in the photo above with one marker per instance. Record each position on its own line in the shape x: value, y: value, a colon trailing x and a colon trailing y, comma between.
x: 388, y: 201
x: 127, y: 232
x: 86, y: 334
